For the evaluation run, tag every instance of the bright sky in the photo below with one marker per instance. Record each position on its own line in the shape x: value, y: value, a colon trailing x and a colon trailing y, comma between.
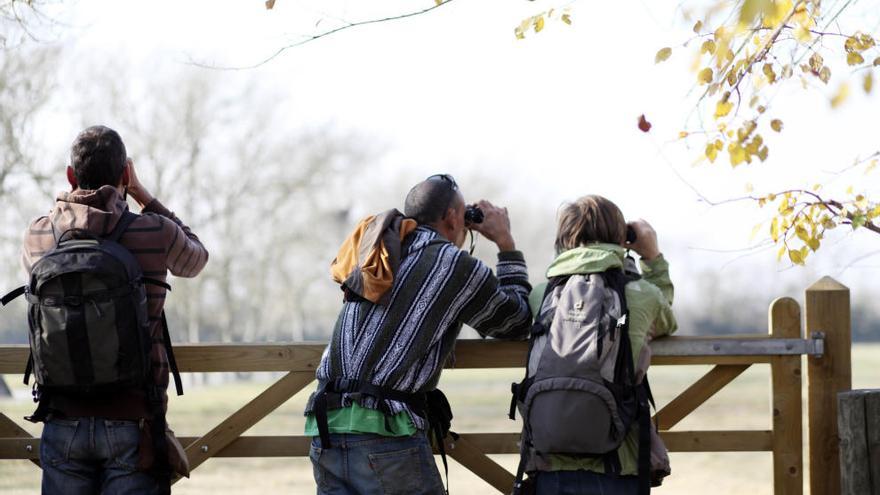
x: 552, y: 116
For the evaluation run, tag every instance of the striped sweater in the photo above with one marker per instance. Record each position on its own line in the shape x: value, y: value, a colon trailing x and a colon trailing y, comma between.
x: 403, y: 345
x: 158, y: 239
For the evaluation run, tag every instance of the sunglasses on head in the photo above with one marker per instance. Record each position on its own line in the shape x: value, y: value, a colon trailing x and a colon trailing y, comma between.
x: 445, y: 178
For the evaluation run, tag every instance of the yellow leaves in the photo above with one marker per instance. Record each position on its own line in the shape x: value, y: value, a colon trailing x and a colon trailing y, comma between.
x: 682, y: 134
x: 770, y: 73
x: 871, y: 166
x: 849, y: 190
x: 750, y: 9
x: 825, y: 74
x: 781, y: 252
x: 776, y: 125
x: 708, y: 46
x: 723, y: 107
x: 737, y: 154
x: 787, y: 71
x: 539, y: 23
x: 777, y: 14
x: 841, y: 95
x: 711, y: 152
x: 762, y: 153
x: 802, y: 33
x: 705, y: 76
x: 798, y: 256
x: 698, y: 27
x: 524, y: 26
x: 859, y: 42
x: 662, y: 55
x: 854, y: 58
x: 816, y: 62
x: 774, y: 229
x: 868, y: 82
x: 270, y: 4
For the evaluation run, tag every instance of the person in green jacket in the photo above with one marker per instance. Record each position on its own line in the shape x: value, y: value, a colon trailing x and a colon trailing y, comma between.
x: 591, y: 238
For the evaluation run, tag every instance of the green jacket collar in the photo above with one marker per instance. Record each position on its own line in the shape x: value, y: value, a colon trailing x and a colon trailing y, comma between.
x: 594, y: 258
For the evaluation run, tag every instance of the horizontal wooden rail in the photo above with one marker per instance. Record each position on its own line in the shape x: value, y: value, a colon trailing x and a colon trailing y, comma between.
x: 469, y: 354
x: 493, y: 443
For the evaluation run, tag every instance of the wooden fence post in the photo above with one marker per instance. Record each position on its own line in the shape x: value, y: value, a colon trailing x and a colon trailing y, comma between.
x: 828, y: 311
x: 859, y: 425
x: 786, y: 382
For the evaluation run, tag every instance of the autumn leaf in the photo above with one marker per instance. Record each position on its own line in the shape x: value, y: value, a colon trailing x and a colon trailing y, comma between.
x: 825, y: 75
x: 816, y: 62
x: 705, y: 76
x: 723, y: 107
x: 868, y: 83
x: 841, y: 95
x: 271, y: 3
x: 698, y: 27
x: 662, y: 55
x: 854, y: 58
x: 776, y: 125
x: 644, y: 125
x: 539, y: 23
x: 711, y: 152
x: 877, y: 62
x: 566, y: 18
x: 708, y: 47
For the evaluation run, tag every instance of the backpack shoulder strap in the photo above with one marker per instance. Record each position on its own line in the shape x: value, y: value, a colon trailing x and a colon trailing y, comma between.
x: 121, y: 226
x: 172, y: 362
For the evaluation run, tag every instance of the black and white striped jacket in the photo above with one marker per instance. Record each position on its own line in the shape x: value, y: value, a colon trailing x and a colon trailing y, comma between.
x: 404, y: 344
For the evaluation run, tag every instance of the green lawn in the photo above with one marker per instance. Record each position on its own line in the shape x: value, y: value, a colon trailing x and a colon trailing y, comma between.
x: 479, y: 399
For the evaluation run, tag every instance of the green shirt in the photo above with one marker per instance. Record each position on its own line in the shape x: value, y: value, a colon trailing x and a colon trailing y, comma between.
x: 357, y: 419
x: 649, y: 301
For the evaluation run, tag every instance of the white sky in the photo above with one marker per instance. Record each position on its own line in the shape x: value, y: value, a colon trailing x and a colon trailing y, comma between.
x: 553, y: 115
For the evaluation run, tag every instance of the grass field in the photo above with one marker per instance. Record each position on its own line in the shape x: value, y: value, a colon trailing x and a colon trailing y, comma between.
x: 479, y: 400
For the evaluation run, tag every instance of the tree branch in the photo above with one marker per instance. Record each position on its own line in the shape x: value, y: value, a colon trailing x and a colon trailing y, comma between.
x: 322, y: 35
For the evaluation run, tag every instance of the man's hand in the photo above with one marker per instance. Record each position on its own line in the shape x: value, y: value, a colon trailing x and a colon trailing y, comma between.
x: 137, y: 190
x: 646, y: 240
x: 495, y: 226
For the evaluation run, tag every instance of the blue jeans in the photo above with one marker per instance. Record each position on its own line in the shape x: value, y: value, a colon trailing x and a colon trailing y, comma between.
x: 373, y: 464
x: 584, y: 483
x: 83, y: 456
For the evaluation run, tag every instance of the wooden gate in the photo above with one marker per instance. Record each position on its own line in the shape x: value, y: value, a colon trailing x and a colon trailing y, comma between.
x: 827, y: 348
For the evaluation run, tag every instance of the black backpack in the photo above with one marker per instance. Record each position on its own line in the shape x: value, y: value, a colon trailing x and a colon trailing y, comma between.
x: 87, y: 313
x: 89, y: 328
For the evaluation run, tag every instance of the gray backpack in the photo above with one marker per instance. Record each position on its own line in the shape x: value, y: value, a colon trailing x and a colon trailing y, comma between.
x: 580, y: 395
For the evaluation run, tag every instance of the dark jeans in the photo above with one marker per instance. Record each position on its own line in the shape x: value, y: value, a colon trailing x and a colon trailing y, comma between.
x: 84, y: 456
x: 585, y: 483
x: 373, y: 464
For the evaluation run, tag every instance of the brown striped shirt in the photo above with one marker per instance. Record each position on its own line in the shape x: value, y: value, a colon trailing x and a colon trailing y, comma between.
x: 158, y: 239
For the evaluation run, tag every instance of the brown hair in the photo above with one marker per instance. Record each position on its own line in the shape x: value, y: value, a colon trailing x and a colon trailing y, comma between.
x: 588, y: 220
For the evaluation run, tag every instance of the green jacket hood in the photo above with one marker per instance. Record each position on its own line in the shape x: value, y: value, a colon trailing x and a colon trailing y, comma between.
x: 594, y: 258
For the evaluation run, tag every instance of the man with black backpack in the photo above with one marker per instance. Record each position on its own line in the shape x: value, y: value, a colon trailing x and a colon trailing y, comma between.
x: 408, y: 289
x: 100, y: 350
x: 585, y: 400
